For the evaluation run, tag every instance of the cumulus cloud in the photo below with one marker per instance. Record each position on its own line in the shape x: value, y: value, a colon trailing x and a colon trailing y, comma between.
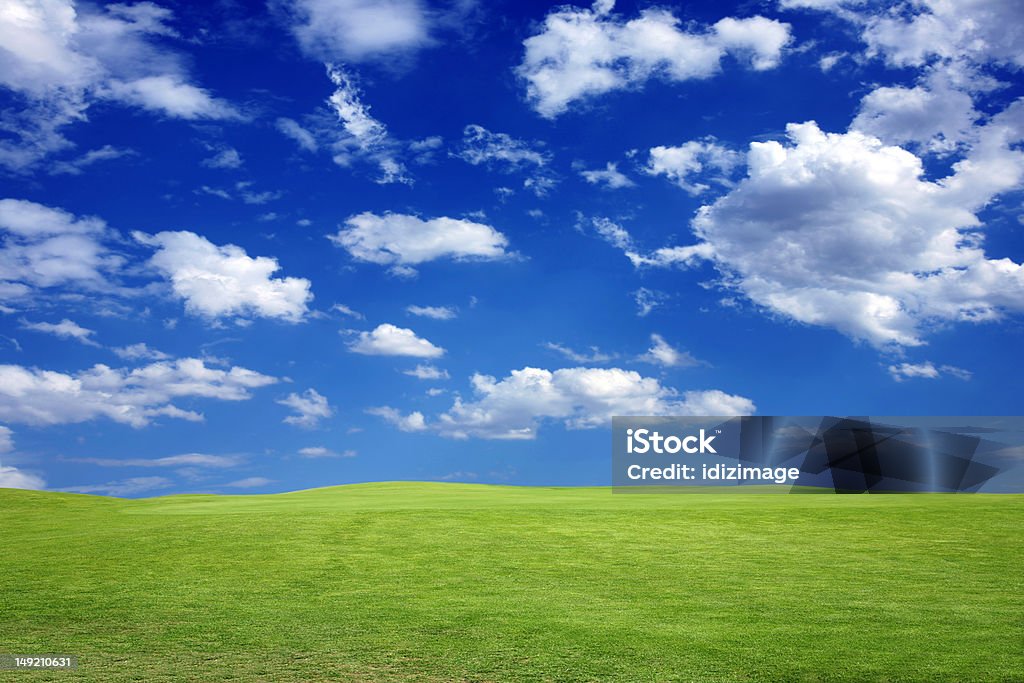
x: 389, y: 340
x: 65, y: 329
x: 310, y: 407
x: 932, y: 115
x: 134, y: 397
x: 610, y: 177
x: 428, y: 372
x: 44, y: 247
x: 435, y: 312
x: 515, y: 407
x: 663, y: 353
x: 580, y: 53
x: 843, y: 231
x: 954, y: 47
x: 402, y: 241
x: 358, y: 30
x: 413, y: 422
x: 920, y: 32
x: 690, y: 160
x: 60, y: 58
x: 224, y: 281
x: 979, y: 30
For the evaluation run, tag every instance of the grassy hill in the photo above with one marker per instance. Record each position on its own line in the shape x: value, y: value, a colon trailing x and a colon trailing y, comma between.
x: 441, y: 582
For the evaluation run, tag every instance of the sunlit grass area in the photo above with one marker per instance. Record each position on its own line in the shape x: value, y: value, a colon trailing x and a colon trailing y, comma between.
x: 442, y: 582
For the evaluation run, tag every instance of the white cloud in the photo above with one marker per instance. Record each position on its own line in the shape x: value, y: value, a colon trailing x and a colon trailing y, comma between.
x: 428, y: 372
x: 435, y: 312
x: 78, y: 165
x: 581, y: 53
x: 225, y: 158
x: 617, y: 236
x: 979, y: 30
x: 214, y: 192
x: 324, y: 452
x: 817, y: 4
x: 413, y: 422
x: 613, y: 233
x: 183, y: 460
x: 595, y: 355
x: 647, y: 300
x: 170, y: 95
x: 663, y: 353
x: 310, y: 406
x: 302, y: 137
x: 361, y: 138
x: 62, y: 57
x: 364, y: 135
x: 611, y: 177
x: 932, y: 114
x: 481, y: 146
x: 45, y: 247
x: 842, y: 231
x: 250, y: 483
x: 139, y: 351
x: 133, y: 397
x: 218, y: 281
x: 926, y: 370
x: 389, y: 340
x: 401, y: 240
x: 504, y: 153
x: 250, y: 196
x: 540, y: 185
x: 65, y: 329
x: 358, y: 30
x: 690, y: 160
x: 582, y: 398
x: 123, y: 487
x: 345, y: 310
x: 13, y: 478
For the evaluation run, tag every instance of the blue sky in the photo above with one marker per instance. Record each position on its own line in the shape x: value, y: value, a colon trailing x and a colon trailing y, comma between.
x: 258, y: 247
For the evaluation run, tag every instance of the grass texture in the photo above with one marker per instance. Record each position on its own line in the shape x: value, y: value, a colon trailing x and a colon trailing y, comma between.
x: 456, y: 582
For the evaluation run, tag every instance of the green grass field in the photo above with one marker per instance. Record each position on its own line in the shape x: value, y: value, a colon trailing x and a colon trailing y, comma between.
x: 443, y: 582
